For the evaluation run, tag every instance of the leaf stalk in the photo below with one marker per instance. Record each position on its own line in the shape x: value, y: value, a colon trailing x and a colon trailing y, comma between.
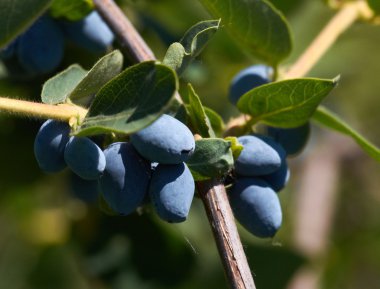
x: 70, y: 113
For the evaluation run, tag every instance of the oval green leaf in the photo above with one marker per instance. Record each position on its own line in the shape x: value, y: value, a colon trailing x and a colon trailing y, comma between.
x: 16, y: 16
x: 58, y: 88
x: 212, y: 158
x: 287, y: 103
x: 131, y: 101
x: 103, y: 71
x: 197, y: 37
x: 325, y: 117
x: 80, y: 85
x: 256, y: 25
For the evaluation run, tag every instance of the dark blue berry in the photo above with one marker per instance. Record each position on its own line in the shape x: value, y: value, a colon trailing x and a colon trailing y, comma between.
x: 90, y: 33
x: 248, y: 79
x: 41, y: 47
x: 49, y: 145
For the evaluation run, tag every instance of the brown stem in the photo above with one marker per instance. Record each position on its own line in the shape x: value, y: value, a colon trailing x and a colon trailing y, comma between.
x: 215, y: 200
x: 127, y: 35
x: 213, y: 193
x: 125, y: 32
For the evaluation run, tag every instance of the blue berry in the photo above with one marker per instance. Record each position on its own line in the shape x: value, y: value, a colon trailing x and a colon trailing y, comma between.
x: 293, y: 140
x: 41, y: 47
x: 84, y: 158
x: 260, y: 156
x: 256, y: 206
x: 49, y: 145
x: 172, y: 191
x: 278, y: 179
x: 85, y: 190
x: 166, y: 141
x: 125, y: 180
x: 248, y: 79
x: 90, y: 33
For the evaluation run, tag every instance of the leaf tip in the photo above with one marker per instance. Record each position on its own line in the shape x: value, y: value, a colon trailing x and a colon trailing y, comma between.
x: 336, y: 80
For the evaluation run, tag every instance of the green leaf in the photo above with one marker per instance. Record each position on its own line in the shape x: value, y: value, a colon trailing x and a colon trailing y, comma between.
x: 197, y: 37
x: 198, y: 118
x: 287, y: 103
x: 73, y: 10
x: 132, y: 100
x: 103, y: 71
x: 17, y: 15
x: 181, y: 54
x: 216, y: 121
x: 58, y: 88
x: 80, y: 85
x: 375, y: 5
x: 256, y: 25
x: 327, y: 118
x: 212, y: 158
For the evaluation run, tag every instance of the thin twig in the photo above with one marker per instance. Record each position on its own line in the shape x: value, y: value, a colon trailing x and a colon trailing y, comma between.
x: 348, y: 14
x: 128, y: 37
x: 215, y: 200
x: 213, y: 193
x: 62, y: 112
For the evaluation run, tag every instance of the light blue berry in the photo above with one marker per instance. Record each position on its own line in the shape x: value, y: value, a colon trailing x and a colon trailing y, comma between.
x: 166, y: 141
x: 256, y: 206
x: 172, y: 191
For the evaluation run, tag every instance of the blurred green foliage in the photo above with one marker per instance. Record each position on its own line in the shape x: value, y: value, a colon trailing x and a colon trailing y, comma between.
x: 50, y: 239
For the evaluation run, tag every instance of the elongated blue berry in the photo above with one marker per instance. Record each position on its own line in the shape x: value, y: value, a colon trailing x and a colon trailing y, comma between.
x: 248, y: 79
x: 172, y: 191
x: 90, y: 33
x: 125, y: 180
x: 166, y: 141
x: 41, y: 47
x: 84, y: 158
x: 258, y: 157
x: 293, y: 140
x: 256, y: 206
x: 49, y: 145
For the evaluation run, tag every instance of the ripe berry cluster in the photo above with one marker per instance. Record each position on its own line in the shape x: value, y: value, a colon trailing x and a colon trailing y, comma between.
x: 151, y: 163
x: 261, y: 169
x: 40, y: 49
